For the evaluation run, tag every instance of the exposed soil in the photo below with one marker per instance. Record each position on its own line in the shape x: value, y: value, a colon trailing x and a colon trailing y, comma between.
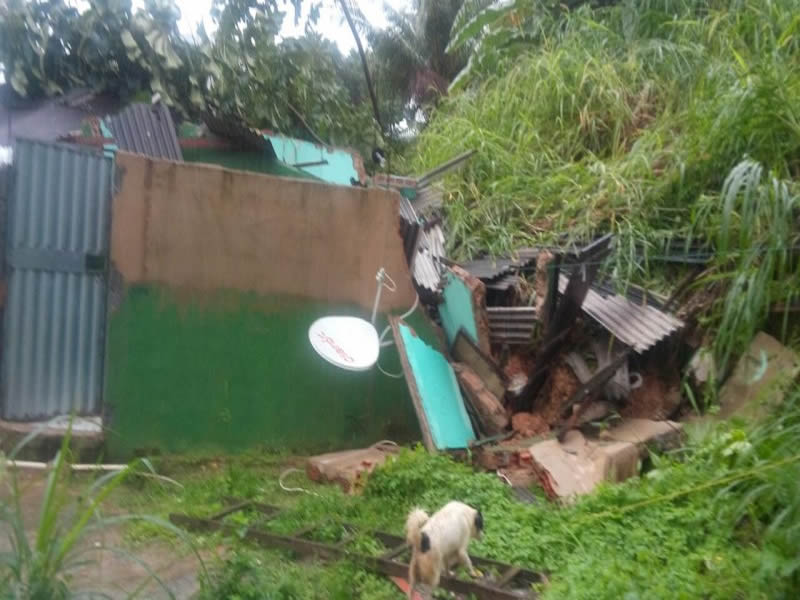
x: 560, y: 387
x: 529, y: 425
x: 655, y: 399
x: 517, y: 365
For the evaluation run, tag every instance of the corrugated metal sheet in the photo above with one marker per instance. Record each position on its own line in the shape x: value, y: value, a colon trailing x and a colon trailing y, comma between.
x: 147, y: 129
x: 511, y: 325
x: 504, y: 283
x: 427, y: 261
x: 490, y: 269
x: 429, y: 197
x: 238, y: 133
x: 55, y: 315
x: 407, y: 212
x: 639, y: 327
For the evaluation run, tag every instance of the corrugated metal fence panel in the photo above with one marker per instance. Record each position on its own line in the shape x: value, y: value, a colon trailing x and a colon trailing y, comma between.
x: 5, y: 176
x: 55, y: 320
x: 148, y: 130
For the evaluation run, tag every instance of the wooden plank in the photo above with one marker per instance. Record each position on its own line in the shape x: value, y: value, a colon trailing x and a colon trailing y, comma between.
x: 464, y: 350
x: 416, y: 399
x: 506, y: 577
x: 230, y: 510
x: 480, y: 589
x: 395, y: 552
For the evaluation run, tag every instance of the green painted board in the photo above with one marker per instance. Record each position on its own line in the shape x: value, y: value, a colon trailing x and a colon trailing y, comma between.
x: 438, y: 392
x: 255, y: 162
x: 332, y: 165
x: 456, y: 310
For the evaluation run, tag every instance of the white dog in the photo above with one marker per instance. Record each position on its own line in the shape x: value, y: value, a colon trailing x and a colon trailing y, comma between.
x: 440, y: 542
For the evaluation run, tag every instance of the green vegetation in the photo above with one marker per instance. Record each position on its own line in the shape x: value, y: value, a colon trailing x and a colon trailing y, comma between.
x: 656, y: 120
x: 718, y: 519
x: 45, y: 566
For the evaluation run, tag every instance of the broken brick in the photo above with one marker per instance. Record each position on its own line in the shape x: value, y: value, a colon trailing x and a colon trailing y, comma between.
x: 490, y: 411
x: 349, y: 467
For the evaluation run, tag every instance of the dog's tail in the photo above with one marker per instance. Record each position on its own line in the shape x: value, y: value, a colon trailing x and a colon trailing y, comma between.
x: 416, y: 519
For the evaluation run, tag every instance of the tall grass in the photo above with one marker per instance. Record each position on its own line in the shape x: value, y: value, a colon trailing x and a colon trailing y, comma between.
x: 756, y: 233
x: 42, y: 565
x: 620, y: 119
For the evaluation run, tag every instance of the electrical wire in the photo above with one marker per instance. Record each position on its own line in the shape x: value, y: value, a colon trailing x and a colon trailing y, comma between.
x: 382, y: 344
x: 300, y: 490
x: 295, y: 489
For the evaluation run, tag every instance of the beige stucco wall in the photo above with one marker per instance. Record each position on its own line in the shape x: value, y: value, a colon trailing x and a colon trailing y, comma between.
x: 205, y: 228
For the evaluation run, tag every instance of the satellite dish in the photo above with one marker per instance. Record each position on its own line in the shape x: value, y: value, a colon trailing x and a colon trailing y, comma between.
x: 348, y: 342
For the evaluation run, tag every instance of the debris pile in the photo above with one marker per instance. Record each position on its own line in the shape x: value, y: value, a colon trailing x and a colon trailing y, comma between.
x: 547, y: 373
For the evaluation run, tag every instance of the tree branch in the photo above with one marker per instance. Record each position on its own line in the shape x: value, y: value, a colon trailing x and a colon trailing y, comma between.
x: 363, y: 56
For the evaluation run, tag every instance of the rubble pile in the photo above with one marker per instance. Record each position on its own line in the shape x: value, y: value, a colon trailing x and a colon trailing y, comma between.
x: 567, y: 382
x: 547, y: 373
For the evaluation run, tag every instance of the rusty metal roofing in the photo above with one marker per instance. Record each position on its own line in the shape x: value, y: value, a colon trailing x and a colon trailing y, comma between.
x: 640, y: 327
x: 146, y: 129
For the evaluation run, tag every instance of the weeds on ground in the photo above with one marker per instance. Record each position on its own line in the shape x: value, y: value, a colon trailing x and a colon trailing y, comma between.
x: 719, y: 520
x: 44, y: 566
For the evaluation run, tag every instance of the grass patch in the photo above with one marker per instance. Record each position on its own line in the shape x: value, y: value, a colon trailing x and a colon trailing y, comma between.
x: 657, y: 120
x: 719, y: 519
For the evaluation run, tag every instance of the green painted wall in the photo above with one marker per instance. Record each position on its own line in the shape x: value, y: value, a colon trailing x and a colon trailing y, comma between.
x: 456, y: 310
x: 439, y: 393
x: 244, y: 161
x: 339, y: 168
x: 230, y: 371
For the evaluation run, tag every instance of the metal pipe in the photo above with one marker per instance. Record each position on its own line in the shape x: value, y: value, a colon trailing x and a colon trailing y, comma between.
x: 42, y: 466
x: 380, y: 277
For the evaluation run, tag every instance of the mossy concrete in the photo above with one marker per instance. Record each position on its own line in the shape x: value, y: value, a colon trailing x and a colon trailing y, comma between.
x: 231, y: 371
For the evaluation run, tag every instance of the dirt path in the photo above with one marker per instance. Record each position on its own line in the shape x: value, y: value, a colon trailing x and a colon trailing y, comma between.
x: 111, y: 573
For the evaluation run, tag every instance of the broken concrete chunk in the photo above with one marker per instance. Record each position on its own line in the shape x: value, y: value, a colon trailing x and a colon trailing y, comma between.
x: 466, y: 351
x: 490, y: 410
x: 760, y: 379
x: 576, y: 466
x: 659, y: 435
x: 348, y: 468
x: 702, y: 367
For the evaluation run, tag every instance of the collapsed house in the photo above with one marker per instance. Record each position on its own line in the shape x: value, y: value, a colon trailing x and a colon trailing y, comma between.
x: 167, y: 301
x: 161, y: 280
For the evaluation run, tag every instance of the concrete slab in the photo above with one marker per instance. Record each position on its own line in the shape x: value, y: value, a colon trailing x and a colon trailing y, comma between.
x: 760, y: 379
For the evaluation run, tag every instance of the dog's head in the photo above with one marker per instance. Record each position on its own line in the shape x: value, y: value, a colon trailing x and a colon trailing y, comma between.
x: 477, y: 525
